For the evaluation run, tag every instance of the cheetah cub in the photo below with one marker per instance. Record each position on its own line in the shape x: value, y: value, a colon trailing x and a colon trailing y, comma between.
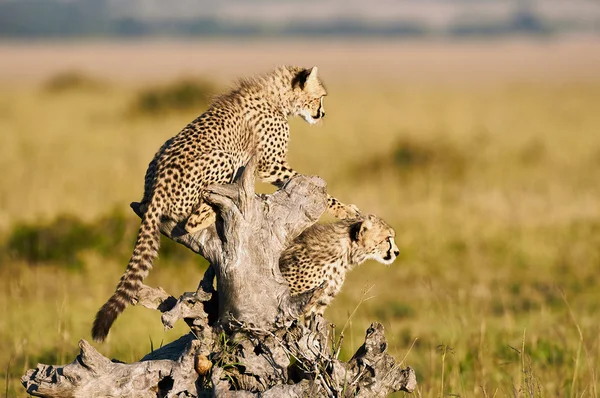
x: 251, y: 120
x: 326, y: 252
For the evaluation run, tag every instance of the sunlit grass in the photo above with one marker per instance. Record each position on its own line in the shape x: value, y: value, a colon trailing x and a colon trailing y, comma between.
x: 494, y: 193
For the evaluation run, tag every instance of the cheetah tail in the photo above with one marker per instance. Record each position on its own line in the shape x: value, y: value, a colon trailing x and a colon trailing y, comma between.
x: 144, y: 253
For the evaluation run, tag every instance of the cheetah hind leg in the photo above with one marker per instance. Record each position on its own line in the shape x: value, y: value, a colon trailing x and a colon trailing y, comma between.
x: 203, y: 217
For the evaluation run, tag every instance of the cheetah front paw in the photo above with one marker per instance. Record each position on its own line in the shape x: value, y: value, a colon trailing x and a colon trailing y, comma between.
x: 353, y: 211
x: 345, y: 211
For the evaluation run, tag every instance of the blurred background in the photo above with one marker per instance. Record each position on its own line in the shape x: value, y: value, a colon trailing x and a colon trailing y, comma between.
x: 471, y: 127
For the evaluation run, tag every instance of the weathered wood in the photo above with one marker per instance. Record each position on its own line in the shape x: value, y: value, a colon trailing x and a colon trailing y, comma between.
x: 254, y: 231
x: 170, y: 371
x: 92, y: 375
x: 246, y: 340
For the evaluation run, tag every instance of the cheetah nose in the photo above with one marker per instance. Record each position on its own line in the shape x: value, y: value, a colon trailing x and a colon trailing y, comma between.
x: 396, y: 252
x: 322, y: 113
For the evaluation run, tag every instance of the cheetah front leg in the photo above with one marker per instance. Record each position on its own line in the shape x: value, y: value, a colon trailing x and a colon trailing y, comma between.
x: 311, y: 315
x: 341, y: 210
x: 279, y: 172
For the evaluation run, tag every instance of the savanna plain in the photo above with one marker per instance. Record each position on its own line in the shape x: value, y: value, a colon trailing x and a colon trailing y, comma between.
x: 484, y: 157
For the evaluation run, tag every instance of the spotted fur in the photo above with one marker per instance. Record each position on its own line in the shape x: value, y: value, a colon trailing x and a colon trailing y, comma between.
x: 326, y: 252
x: 249, y: 120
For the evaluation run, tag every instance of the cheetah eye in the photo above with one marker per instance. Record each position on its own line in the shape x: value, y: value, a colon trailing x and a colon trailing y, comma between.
x: 387, y: 240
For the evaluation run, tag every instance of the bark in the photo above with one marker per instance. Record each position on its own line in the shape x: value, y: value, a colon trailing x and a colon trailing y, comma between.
x: 245, y: 338
x: 92, y: 375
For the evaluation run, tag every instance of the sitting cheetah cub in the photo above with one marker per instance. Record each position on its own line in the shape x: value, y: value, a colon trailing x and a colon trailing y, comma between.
x: 325, y: 252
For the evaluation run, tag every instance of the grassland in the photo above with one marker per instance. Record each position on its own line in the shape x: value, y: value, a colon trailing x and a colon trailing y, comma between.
x: 494, y: 190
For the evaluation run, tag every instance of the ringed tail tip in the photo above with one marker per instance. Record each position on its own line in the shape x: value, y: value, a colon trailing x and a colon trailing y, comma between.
x: 104, y: 319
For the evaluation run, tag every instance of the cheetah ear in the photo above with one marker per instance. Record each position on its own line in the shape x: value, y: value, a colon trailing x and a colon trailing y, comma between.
x: 355, y: 231
x: 371, y: 218
x: 367, y: 223
x: 362, y: 227
x: 306, y: 79
x: 312, y: 76
x: 312, y: 82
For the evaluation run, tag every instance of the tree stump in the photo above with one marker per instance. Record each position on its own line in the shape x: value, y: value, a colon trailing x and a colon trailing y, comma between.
x: 245, y: 338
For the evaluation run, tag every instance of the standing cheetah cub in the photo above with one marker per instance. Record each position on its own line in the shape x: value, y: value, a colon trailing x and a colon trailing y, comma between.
x: 326, y: 252
x: 249, y: 120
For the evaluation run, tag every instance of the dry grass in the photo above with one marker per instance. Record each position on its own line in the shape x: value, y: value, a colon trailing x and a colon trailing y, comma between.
x: 493, y: 189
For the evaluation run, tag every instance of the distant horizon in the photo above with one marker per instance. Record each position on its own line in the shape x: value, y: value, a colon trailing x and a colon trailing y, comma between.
x: 232, y: 18
x: 435, y: 62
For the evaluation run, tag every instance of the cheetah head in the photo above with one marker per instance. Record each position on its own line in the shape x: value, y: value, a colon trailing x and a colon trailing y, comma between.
x: 307, y: 95
x: 376, y: 238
